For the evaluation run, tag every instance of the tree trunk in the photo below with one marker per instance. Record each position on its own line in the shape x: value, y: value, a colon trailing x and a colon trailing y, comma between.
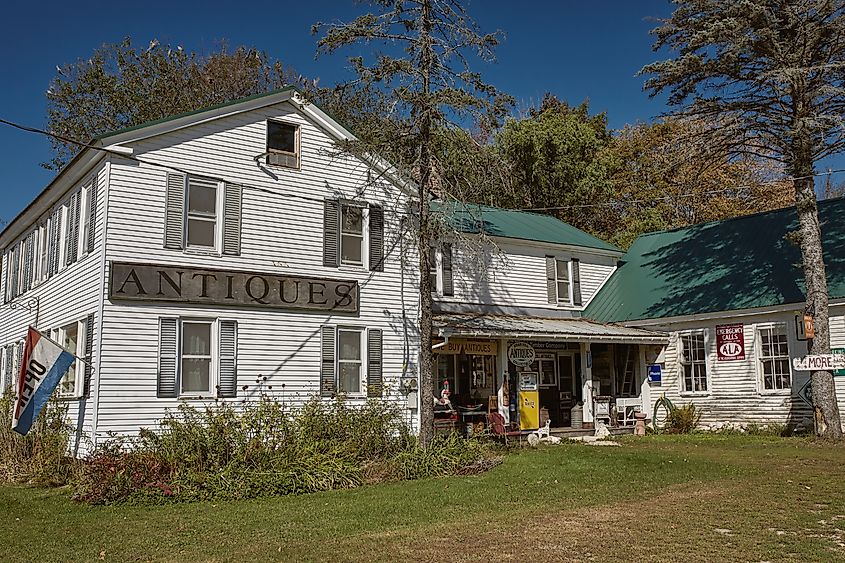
x: 825, y: 407
x: 425, y: 235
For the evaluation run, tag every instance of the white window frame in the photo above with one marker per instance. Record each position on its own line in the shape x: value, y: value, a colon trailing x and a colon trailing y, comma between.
x: 682, y: 384
x: 568, y: 301
x: 436, y: 270
x: 218, y: 216
x: 82, y: 246
x: 758, y: 349
x: 297, y: 142
x: 58, y: 335
x: 363, y: 352
x: 214, y: 355
x: 365, y: 228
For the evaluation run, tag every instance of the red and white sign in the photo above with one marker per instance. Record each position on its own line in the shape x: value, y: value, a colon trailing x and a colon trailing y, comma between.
x: 730, y: 342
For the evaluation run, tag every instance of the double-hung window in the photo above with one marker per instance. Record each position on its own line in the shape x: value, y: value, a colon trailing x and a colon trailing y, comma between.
x: 71, y: 337
x: 282, y: 144
x: 433, y: 269
x: 773, y: 357
x: 693, y: 358
x: 351, y: 234
x: 201, y: 213
x: 196, y: 360
x: 349, y: 360
x: 562, y: 282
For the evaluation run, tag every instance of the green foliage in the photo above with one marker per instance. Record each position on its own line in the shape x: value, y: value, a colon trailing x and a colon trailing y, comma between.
x: 682, y: 420
x: 41, y: 457
x: 219, y: 452
x: 121, y: 85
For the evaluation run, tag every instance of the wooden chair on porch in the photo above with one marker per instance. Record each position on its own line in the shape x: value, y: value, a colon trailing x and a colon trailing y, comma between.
x: 498, y: 428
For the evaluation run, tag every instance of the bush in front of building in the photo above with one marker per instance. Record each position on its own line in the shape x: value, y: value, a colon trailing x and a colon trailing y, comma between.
x: 683, y: 419
x: 264, y: 449
x: 42, y: 456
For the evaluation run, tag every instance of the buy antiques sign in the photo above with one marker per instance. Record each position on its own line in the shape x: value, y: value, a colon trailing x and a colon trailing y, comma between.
x: 730, y: 342
x: 181, y: 284
x: 472, y: 347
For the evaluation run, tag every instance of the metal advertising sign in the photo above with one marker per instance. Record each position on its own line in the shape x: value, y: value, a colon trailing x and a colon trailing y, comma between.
x: 819, y: 362
x: 655, y: 374
x: 521, y: 354
x: 839, y: 352
x: 183, y: 284
x: 730, y: 342
x: 806, y: 393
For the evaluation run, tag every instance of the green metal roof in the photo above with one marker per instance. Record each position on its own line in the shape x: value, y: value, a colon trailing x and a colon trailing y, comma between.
x: 509, y: 223
x: 740, y: 263
x: 194, y: 112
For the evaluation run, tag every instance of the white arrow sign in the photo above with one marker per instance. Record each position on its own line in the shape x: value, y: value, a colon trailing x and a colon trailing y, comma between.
x: 819, y: 362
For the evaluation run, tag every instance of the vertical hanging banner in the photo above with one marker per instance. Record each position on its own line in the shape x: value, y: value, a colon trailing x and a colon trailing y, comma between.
x: 43, y: 365
x: 730, y: 342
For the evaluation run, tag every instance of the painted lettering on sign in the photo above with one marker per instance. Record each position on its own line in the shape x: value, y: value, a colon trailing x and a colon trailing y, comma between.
x: 819, y: 362
x: 521, y: 354
x: 730, y: 342
x: 182, y: 284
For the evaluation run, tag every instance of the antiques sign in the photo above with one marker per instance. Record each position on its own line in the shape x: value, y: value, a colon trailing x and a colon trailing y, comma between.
x: 730, y: 342
x: 182, y: 284
x: 521, y: 354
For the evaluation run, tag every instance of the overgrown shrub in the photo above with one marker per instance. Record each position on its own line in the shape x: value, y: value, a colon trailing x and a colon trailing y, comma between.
x: 263, y: 449
x: 682, y: 420
x: 41, y: 457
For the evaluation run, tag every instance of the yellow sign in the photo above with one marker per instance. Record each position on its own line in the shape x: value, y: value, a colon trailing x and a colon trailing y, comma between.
x: 475, y: 347
x: 529, y: 410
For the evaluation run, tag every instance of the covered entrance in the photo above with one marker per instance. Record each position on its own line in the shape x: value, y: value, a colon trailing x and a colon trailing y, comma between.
x: 569, y: 371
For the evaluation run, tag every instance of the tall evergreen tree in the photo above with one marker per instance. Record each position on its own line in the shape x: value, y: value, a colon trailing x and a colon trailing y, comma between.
x: 772, y: 72
x: 425, y: 75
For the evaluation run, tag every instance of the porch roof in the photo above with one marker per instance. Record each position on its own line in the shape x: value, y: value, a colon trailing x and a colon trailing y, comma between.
x: 479, y: 325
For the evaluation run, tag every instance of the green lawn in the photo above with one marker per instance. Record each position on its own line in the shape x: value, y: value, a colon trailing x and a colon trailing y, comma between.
x: 657, y: 498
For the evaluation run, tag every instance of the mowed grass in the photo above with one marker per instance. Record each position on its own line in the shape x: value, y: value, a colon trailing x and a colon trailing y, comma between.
x: 691, y: 498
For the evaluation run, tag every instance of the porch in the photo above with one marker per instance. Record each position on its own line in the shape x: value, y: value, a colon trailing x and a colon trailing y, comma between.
x: 567, y: 372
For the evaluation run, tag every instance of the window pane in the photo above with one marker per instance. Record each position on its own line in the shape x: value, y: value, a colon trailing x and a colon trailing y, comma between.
x: 281, y: 136
x: 432, y: 279
x: 200, y: 232
x: 196, y: 339
x: 195, y: 375
x: 349, y: 345
x: 351, y: 249
x: 562, y: 270
x: 352, y: 220
x: 71, y: 333
x: 350, y: 378
x: 563, y: 291
x: 202, y: 199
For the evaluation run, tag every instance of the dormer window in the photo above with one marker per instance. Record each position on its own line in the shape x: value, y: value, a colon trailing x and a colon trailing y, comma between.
x: 282, y: 144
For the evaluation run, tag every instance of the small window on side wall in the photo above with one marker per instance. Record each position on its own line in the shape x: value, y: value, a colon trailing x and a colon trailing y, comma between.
x: 351, y: 235
x: 282, y: 144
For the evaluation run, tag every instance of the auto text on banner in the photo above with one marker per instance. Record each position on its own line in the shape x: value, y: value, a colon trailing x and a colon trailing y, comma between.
x: 43, y: 365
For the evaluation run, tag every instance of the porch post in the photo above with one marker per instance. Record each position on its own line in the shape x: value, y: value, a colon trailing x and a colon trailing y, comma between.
x: 645, y: 387
x: 587, y: 382
x: 502, y: 368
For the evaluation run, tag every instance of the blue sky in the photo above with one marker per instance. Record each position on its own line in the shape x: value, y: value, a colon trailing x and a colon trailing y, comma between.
x: 576, y: 50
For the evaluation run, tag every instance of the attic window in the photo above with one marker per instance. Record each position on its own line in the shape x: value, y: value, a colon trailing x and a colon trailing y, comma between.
x: 282, y: 144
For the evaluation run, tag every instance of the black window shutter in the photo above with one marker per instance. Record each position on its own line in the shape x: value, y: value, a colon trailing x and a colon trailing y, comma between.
x: 227, y: 386
x: 13, y: 279
x: 446, y: 259
x: 54, y: 239
x: 331, y: 232
x: 375, y: 371
x: 376, y: 238
x: 551, y: 280
x: 576, y: 282
x: 89, y: 356
x: 167, y: 357
x: 174, y: 211
x: 72, y: 236
x: 92, y: 214
x: 28, y: 261
x: 232, y: 219
x: 328, y: 384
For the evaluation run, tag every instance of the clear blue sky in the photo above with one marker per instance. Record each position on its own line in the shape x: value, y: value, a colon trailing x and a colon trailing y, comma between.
x: 576, y: 50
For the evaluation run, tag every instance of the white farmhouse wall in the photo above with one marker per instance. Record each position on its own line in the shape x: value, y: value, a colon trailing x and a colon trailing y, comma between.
x: 513, y: 274
x: 68, y: 296
x: 735, y: 392
x: 282, y: 233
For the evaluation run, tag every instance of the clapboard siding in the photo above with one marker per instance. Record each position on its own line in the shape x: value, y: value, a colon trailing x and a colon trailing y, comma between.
x: 281, y: 233
x: 735, y: 394
x: 68, y: 296
x: 514, y: 275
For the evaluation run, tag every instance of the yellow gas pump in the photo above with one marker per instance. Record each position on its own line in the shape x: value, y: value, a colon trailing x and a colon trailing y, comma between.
x: 529, y: 401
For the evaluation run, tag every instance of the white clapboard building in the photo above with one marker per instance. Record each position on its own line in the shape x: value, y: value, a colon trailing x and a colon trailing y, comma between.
x: 731, y: 296
x: 221, y: 254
